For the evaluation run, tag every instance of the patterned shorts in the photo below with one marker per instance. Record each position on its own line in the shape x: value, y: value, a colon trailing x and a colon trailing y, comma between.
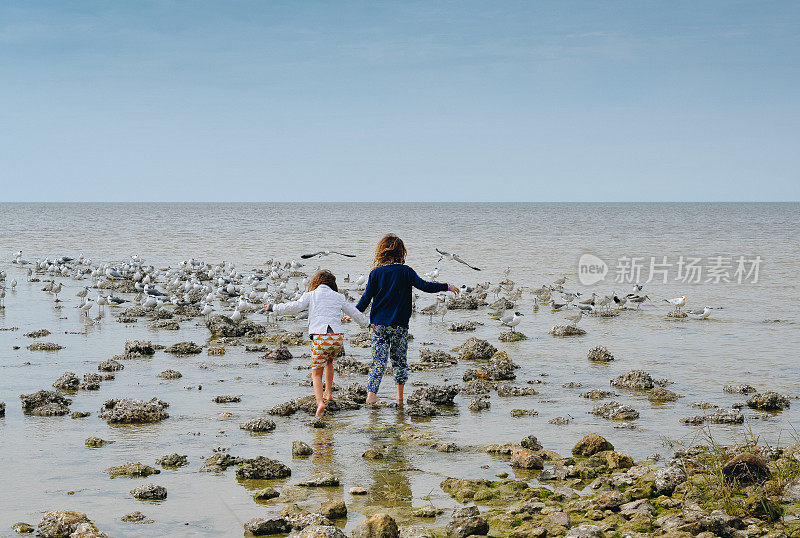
x: 325, y: 348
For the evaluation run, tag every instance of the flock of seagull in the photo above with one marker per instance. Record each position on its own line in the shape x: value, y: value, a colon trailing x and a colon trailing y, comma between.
x: 224, y: 288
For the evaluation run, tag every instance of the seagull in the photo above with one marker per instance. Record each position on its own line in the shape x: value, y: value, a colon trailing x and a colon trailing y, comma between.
x: 677, y: 302
x: 575, y: 318
x: 454, y: 257
x: 620, y: 301
x: 86, y: 306
x: 638, y: 299
x: 585, y: 307
x: 326, y: 253
x: 590, y: 300
x: 361, y: 281
x: 699, y: 314
x: 431, y: 310
x: 638, y: 287
x: 432, y: 274
x: 556, y: 306
x: 561, y: 281
x: 511, y: 320
x: 56, y: 290
x: 207, y: 309
x: 82, y: 293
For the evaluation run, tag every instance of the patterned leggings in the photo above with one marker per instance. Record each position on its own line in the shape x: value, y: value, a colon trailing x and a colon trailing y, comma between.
x: 388, y: 342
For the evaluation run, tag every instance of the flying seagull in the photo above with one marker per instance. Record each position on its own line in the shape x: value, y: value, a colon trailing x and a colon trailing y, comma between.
x: 325, y: 253
x: 454, y: 257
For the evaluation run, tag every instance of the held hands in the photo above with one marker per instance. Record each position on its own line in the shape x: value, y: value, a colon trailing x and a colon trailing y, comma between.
x: 267, y: 306
x: 452, y: 288
x: 371, y: 327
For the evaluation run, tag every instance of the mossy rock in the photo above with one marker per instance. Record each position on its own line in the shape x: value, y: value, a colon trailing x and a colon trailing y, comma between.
x: 491, y: 493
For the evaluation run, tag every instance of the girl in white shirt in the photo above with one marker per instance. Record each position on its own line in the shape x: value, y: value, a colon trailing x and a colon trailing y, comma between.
x: 325, y: 307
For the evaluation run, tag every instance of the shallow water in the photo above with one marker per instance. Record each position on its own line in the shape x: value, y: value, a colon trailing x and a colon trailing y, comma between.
x: 46, y: 457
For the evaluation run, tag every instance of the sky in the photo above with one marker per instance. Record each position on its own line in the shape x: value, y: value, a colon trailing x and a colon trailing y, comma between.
x: 400, y: 101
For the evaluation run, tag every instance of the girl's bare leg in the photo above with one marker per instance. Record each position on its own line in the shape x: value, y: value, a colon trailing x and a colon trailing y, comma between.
x: 328, y: 396
x: 400, y: 395
x: 316, y: 378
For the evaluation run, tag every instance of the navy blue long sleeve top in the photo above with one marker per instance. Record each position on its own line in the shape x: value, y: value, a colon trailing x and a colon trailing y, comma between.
x: 389, y: 289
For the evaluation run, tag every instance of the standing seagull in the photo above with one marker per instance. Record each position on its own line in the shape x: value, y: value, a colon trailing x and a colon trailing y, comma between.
x: 56, y: 290
x: 575, y: 318
x: 511, y: 320
x: 454, y: 257
x: 699, y: 314
x: 677, y: 302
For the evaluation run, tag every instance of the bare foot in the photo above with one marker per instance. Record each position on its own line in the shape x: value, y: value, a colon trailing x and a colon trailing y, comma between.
x: 328, y: 397
x: 320, y: 410
x: 372, y: 399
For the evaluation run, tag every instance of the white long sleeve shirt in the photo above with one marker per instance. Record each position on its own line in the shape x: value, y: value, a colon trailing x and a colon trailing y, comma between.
x: 325, y: 308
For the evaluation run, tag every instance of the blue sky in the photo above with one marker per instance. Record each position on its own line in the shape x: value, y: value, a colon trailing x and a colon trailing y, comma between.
x: 399, y: 101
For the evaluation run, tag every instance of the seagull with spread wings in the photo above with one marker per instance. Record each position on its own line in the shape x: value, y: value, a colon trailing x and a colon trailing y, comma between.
x: 326, y: 253
x: 454, y: 257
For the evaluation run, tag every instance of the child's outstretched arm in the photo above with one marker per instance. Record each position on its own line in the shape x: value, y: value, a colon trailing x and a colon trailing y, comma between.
x: 350, y: 309
x: 293, y: 307
x: 429, y: 287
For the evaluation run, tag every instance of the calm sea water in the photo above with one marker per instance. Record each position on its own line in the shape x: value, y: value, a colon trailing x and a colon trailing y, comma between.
x: 48, y: 467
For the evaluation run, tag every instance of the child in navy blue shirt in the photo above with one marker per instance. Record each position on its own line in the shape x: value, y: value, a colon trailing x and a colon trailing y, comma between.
x: 389, y: 290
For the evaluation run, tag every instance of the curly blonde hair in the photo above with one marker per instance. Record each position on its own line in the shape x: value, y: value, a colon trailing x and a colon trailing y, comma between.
x: 390, y: 249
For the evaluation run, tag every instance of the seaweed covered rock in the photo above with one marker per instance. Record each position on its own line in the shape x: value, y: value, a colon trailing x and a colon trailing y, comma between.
x: 566, y: 330
x: 464, y: 326
x: 110, y: 365
x: 68, y: 523
x: 266, y: 527
x: 661, y: 395
x: 170, y: 374
x: 600, y: 354
x: 591, y: 445
x: 132, y: 470
x: 45, y: 403
x: 221, y: 325
x: 615, y: 411
x: 184, y: 348
x: 436, y: 394
x: 149, y: 492
x: 133, y: 411
x: 512, y: 336
x: 139, y: 347
x: 634, y: 380
x: 173, y: 460
x: 739, y: 389
x: 475, y: 349
x: 377, y: 526
x: 68, y: 382
x: 499, y: 368
x: 44, y: 346
x: 262, y: 468
x: 258, y: 425
x: 768, y: 401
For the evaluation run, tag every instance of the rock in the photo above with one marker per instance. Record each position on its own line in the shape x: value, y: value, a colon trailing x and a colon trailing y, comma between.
x: 746, y: 469
x: 2, y: 409
x: 170, y: 374
x: 479, y: 404
x: 173, y: 460
x: 44, y: 346
x: 739, y: 389
x: 559, y: 518
x: 279, y: 354
x: 421, y: 408
x: 139, y: 347
x: 324, y: 482
x: 436, y: 394
x: 136, y: 517
x: 285, y: 409
x: 591, y: 445
x: 91, y: 382
x: 221, y: 325
x: 512, y: 336
x: 791, y: 492
x: 475, y: 349
x: 661, y: 395
x: 768, y: 401
x: 506, y: 391
x: 427, y: 511
x: 149, y: 492
x: 524, y: 459
x: 184, y: 348
x: 597, y: 394
x: 96, y: 442
x: 465, y: 302
x: 38, y: 334
x: 634, y: 380
x: 618, y: 460
x: 467, y: 526
x: 320, y: 531
x: 499, y: 368
x: 266, y: 494
x: 132, y: 470
x: 586, y: 531
x: 110, y: 366
x: 639, y: 506
x: 531, y: 443
x: 265, y: 527
x: 333, y: 509
x: 523, y: 413
x: 377, y: 526
x: 677, y: 314
x: 464, y: 326
x: 227, y: 399
x: 299, y: 448
x: 668, y: 478
x: 22, y: 527
x: 611, y: 500
x: 566, y: 330
x: 219, y: 462
x: 615, y: 411
x: 258, y: 425
x: 45, y: 403
x: 262, y: 468
x: 559, y: 421
x: 436, y: 356
x: 133, y: 411
x: 725, y: 416
x: 356, y: 490
x: 68, y: 523
x: 600, y: 354
x: 68, y: 382
x: 166, y: 324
